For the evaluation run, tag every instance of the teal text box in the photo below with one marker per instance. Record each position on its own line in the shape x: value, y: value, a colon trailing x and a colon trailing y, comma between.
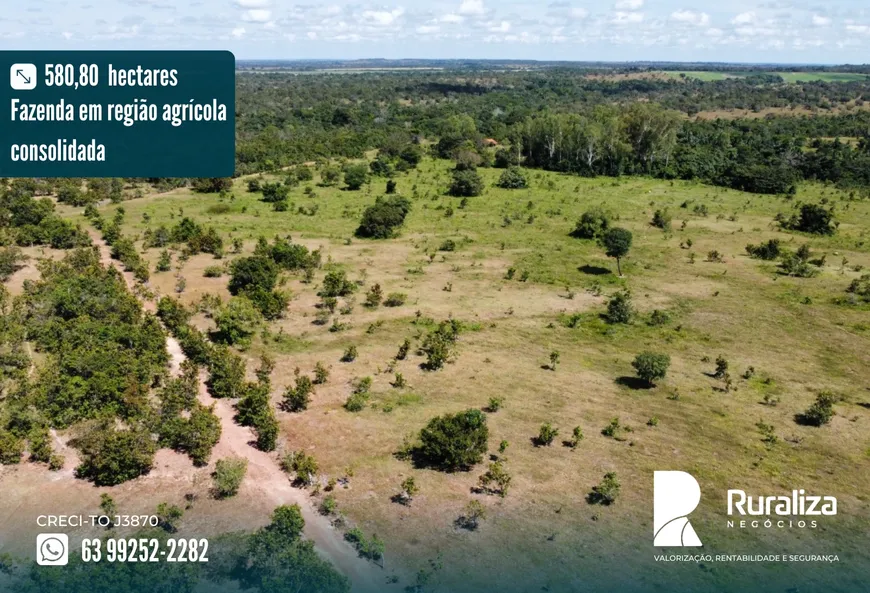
x: 37, y: 140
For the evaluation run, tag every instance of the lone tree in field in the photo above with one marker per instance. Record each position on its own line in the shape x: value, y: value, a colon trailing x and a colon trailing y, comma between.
x: 380, y: 220
x: 455, y: 441
x: 409, y: 490
x: 617, y: 242
x: 651, y: 366
x: 355, y: 176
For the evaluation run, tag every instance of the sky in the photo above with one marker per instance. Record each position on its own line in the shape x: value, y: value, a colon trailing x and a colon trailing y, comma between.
x: 782, y: 31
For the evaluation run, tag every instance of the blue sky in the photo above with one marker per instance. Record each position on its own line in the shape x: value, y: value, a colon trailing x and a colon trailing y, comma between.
x: 814, y: 31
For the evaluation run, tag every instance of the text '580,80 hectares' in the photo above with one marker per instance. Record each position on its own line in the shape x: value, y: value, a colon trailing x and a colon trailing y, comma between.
x: 118, y: 114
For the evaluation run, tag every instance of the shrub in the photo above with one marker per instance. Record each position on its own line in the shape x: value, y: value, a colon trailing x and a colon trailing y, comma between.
x: 237, y: 321
x: 228, y: 475
x: 860, y: 287
x: 349, y: 355
x: 466, y: 183
x: 513, y: 178
x: 651, y: 366
x: 821, y: 411
x: 328, y: 506
x: 355, y: 176
x: 797, y: 264
x: 592, y: 224
x: 164, y: 263
x: 409, y: 488
x: 297, y: 398
x: 662, y: 219
x: 404, y: 347
x: 606, y: 492
x: 448, y: 245
x: 813, y: 218
x: 111, y: 457
x: 303, y: 465
x: 395, y: 299
x: 439, y: 344
x: 721, y: 367
x: 168, y: 516
x: 455, y: 441
x: 248, y: 274
x: 336, y: 284
x: 495, y: 404
x: 576, y: 437
x: 659, y: 318
x: 374, y: 296
x: 619, y: 308
x: 474, y: 513
x: 11, y: 448
x: 546, y: 434
x: 766, y: 251
x: 372, y: 549
x: 321, y: 373
x: 496, y: 475
x: 381, y: 220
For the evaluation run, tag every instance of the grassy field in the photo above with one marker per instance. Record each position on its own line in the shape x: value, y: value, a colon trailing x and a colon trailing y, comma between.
x: 789, y: 330
x: 787, y: 76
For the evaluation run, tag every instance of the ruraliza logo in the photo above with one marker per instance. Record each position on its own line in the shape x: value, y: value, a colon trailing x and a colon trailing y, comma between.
x: 676, y: 495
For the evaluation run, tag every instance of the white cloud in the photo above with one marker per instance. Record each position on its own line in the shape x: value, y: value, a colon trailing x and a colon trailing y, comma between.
x: 382, y: 18
x: 579, y: 13
x: 701, y: 19
x: 629, y: 4
x: 252, y: 3
x: 67, y: 35
x: 451, y: 18
x: 744, y: 18
x: 502, y: 27
x: 624, y: 18
x: 471, y: 7
x: 858, y: 28
x: 428, y: 29
x: 821, y: 21
x: 713, y: 32
x: 238, y: 32
x: 257, y: 16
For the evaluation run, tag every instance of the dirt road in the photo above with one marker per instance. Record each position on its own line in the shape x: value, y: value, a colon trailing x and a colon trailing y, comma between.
x: 264, y: 475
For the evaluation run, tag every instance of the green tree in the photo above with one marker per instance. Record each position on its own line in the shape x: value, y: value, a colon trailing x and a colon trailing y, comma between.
x: 466, y: 183
x: 380, y: 220
x: 355, y: 176
x: 512, y: 178
x: 607, y: 491
x: 111, y: 457
x: 237, y: 321
x: 651, y: 366
x: 455, y: 441
x: 617, y: 243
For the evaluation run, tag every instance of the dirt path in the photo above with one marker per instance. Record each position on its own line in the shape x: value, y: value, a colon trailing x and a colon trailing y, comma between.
x: 264, y: 475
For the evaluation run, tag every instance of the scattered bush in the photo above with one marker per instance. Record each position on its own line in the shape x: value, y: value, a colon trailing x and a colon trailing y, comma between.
x: 496, y: 480
x: 546, y: 435
x: 592, y: 224
x: 619, y: 308
x: 606, y: 492
x: 820, y: 412
x: 512, y: 178
x: 395, y: 299
x: 111, y: 457
x: 349, y: 355
x: 813, y: 218
x: 662, y: 219
x: 228, y: 475
x: 767, y: 251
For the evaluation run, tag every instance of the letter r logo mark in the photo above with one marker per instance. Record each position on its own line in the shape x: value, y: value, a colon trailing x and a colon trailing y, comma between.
x: 676, y: 494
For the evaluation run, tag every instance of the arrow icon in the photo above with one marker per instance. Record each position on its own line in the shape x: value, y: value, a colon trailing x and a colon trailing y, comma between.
x: 22, y: 77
